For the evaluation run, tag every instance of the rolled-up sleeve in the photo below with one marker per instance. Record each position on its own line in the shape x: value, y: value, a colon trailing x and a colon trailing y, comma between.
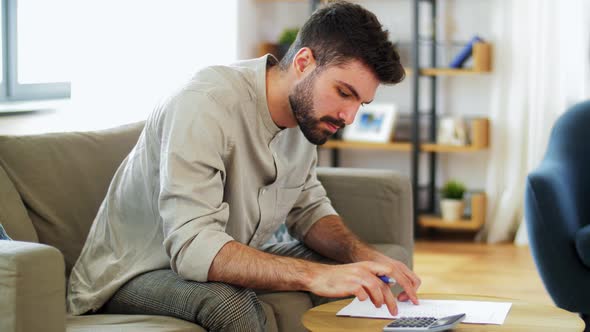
x: 192, y: 176
x: 311, y: 205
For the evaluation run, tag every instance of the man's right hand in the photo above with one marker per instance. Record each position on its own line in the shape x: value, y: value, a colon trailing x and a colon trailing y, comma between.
x: 358, y: 279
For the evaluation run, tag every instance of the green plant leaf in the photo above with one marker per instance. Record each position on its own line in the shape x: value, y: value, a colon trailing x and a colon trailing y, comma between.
x: 453, y: 190
x: 288, y: 36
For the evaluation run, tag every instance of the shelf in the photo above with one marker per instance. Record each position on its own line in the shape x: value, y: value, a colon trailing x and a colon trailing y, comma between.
x: 334, y: 144
x: 450, y: 72
x: 479, y: 141
x: 482, y: 64
x: 447, y: 71
x: 429, y: 221
x: 474, y: 223
x: 433, y: 147
x: 401, y: 146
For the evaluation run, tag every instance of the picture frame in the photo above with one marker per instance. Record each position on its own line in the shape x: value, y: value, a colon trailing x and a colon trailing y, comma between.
x: 373, y: 123
x: 452, y: 131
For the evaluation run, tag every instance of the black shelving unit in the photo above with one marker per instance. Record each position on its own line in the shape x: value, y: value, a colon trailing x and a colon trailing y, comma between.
x: 416, y: 108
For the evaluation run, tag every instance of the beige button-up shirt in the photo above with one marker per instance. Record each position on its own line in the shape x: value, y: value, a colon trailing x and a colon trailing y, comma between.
x: 210, y: 166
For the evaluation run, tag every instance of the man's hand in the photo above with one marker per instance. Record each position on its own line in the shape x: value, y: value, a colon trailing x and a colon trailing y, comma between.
x: 362, y: 280
x: 328, y: 236
x: 405, y: 277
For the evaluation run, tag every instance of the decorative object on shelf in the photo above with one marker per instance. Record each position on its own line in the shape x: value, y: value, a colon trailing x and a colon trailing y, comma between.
x: 403, y: 127
x: 465, y: 53
x: 452, y: 131
x: 286, y: 38
x: 451, y: 203
x: 482, y: 57
x: 472, y: 223
x: 373, y: 123
x: 479, y: 51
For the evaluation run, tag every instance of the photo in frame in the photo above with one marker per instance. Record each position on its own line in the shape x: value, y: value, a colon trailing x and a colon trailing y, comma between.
x: 452, y: 131
x: 373, y: 123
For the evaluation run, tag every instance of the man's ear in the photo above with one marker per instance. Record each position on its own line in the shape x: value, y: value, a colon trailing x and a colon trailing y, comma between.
x: 304, y: 62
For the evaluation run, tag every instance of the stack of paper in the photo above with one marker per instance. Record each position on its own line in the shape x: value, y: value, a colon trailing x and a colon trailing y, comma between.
x: 477, y: 312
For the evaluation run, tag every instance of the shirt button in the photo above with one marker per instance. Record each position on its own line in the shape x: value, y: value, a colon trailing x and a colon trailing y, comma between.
x: 263, y: 191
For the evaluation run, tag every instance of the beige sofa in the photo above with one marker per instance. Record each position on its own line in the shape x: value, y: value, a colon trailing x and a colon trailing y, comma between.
x: 52, y: 185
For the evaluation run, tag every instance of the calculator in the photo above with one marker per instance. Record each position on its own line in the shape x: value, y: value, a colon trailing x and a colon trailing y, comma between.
x: 423, y: 324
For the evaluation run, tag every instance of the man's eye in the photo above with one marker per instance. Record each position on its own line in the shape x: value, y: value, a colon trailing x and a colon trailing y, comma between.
x: 343, y: 94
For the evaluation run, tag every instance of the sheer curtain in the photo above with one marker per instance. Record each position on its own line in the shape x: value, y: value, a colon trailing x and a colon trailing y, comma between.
x: 541, y: 67
x: 129, y: 54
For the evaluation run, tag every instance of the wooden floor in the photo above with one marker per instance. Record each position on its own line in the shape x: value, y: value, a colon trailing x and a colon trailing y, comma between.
x: 503, y: 270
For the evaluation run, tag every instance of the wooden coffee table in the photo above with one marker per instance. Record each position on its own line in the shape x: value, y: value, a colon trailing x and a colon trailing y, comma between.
x: 522, y: 317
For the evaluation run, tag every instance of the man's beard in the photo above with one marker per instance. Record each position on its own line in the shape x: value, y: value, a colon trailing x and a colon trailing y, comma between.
x: 301, y: 101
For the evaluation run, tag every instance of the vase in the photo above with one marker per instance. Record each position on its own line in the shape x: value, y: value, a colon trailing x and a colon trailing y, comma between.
x: 451, y: 209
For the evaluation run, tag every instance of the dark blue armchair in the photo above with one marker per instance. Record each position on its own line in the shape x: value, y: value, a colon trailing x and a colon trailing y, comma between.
x: 557, y: 212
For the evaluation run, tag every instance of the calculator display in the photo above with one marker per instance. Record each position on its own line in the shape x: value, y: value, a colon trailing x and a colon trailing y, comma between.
x: 441, y: 322
x: 445, y: 321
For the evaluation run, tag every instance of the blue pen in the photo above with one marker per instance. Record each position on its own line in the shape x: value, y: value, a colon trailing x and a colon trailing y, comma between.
x: 387, y: 280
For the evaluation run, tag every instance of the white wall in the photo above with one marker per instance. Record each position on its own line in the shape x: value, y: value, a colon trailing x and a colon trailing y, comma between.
x: 459, y: 20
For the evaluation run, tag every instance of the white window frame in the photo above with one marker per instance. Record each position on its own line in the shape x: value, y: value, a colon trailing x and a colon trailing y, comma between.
x: 10, y: 89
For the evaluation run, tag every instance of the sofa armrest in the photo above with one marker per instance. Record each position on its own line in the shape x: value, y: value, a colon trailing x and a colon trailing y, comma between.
x: 375, y: 204
x: 32, y: 287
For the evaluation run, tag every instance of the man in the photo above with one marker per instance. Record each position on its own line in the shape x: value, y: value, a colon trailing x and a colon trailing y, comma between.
x: 220, y: 165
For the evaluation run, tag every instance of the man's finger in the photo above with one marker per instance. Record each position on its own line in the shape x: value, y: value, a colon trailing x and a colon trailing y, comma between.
x: 372, y: 284
x: 406, y: 284
x: 403, y: 297
x: 413, y: 277
x: 389, y: 299
x: 361, y: 294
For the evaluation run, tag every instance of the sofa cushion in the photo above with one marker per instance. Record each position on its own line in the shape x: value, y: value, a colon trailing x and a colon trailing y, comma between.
x: 13, y: 215
x: 63, y: 178
x: 140, y: 323
x: 129, y: 323
x: 288, y: 308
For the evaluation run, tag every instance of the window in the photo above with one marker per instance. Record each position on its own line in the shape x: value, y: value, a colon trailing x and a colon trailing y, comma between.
x: 131, y: 54
x: 35, y: 50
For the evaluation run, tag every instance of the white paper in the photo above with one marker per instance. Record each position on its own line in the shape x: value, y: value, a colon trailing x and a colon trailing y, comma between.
x: 477, y: 312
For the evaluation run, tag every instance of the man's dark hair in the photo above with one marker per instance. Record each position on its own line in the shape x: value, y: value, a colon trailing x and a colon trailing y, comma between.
x: 341, y: 32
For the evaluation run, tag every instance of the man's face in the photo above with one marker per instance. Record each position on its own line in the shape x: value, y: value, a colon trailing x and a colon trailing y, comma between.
x: 326, y: 100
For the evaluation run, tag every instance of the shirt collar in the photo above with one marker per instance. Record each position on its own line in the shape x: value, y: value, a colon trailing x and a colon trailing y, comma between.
x: 262, y: 64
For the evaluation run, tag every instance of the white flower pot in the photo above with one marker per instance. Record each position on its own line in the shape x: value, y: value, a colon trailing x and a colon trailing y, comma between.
x: 451, y: 209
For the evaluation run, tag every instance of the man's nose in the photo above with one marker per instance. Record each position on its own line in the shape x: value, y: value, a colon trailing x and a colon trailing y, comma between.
x: 348, y: 114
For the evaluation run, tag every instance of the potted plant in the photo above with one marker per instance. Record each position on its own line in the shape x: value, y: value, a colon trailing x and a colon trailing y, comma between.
x: 451, y: 203
x: 286, y: 38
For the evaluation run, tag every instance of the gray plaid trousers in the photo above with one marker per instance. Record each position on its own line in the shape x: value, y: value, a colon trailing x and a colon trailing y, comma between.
x: 215, y: 306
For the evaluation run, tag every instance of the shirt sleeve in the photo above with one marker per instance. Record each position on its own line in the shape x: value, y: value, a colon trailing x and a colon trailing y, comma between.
x: 311, y: 205
x: 193, y: 144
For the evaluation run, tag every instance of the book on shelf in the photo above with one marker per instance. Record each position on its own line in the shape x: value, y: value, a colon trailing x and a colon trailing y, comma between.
x: 465, y: 53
